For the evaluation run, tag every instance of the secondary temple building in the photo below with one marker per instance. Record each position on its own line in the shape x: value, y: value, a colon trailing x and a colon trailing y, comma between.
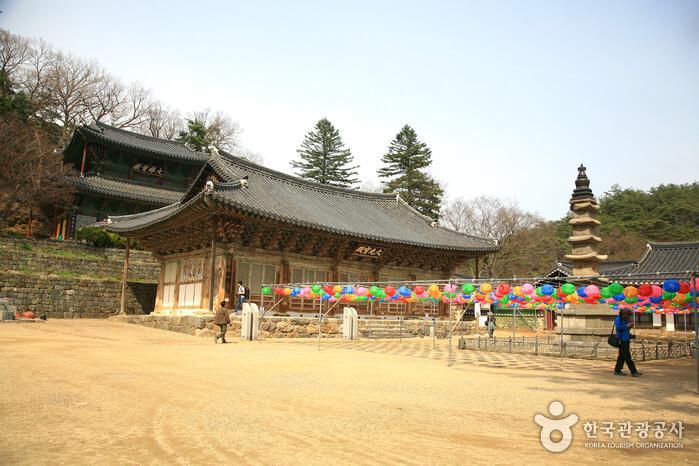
x: 120, y: 172
x: 241, y: 221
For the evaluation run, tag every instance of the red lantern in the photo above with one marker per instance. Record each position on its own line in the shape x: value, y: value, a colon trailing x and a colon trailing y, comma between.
x: 503, y: 289
x: 389, y: 290
x: 684, y: 288
x: 419, y: 289
x: 645, y: 290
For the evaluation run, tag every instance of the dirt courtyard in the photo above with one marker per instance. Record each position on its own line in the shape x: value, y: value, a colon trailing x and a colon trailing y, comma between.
x: 90, y: 391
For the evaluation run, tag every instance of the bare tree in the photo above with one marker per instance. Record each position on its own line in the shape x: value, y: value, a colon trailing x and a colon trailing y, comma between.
x: 107, y: 95
x: 32, y: 76
x: 15, y: 51
x: 161, y: 122
x: 490, y: 217
x: 458, y: 214
x: 487, y: 216
x: 221, y: 130
x: 70, y: 90
x: 134, y: 107
x: 32, y: 178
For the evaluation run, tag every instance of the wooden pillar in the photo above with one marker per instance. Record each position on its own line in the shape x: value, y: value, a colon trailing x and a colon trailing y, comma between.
x: 212, y: 277
x: 477, y: 273
x: 161, y: 286
x: 228, y: 280
x: 124, y: 278
x: 285, y: 277
x: 82, y: 164
x: 176, y: 297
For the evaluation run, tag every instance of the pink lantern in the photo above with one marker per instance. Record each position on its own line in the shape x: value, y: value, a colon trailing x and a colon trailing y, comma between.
x: 592, y: 291
x: 657, y: 291
x: 527, y: 288
x: 360, y: 291
x: 450, y: 288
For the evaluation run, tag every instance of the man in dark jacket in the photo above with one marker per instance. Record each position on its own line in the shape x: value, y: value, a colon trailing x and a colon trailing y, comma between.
x: 623, y: 325
x: 222, y: 319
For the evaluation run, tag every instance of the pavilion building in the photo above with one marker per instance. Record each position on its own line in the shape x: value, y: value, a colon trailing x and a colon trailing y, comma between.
x: 120, y: 172
x: 241, y: 221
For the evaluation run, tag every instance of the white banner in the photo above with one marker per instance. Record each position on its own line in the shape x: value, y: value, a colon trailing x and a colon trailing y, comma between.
x: 657, y: 320
x: 670, y: 322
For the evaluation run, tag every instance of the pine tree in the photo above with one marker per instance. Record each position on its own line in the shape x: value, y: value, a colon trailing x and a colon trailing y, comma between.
x: 324, y: 159
x: 196, y: 136
x: 405, y: 162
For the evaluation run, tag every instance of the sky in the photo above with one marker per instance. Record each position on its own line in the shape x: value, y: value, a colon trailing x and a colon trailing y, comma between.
x: 511, y: 96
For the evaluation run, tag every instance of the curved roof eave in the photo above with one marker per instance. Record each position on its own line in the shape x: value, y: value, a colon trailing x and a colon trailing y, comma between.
x: 291, y: 221
x: 89, y: 133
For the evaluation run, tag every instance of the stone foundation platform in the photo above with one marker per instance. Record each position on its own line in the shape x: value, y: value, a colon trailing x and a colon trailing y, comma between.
x: 294, y: 327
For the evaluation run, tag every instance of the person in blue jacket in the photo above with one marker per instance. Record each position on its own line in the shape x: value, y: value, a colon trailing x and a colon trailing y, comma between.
x: 623, y: 326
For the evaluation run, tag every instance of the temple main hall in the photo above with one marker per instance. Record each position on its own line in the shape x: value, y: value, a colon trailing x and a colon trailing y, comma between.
x: 242, y: 221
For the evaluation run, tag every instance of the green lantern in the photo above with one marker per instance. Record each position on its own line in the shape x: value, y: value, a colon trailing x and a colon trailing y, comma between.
x: 616, y: 288
x: 468, y: 288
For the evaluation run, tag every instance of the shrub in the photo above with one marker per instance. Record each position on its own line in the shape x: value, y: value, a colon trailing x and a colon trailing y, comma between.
x: 98, y: 237
x: 24, y: 246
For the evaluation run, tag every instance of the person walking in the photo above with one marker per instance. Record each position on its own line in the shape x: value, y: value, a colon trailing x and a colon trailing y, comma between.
x: 490, y: 323
x: 240, y: 296
x: 223, y: 320
x: 622, y: 325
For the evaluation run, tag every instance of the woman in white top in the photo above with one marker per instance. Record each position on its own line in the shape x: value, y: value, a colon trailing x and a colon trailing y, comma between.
x: 240, y: 295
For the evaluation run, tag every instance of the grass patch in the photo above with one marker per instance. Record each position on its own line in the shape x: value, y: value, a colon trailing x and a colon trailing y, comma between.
x: 24, y: 246
x: 71, y: 254
x: 66, y: 274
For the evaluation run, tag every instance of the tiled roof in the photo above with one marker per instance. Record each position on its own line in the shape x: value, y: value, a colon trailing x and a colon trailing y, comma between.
x: 607, y: 267
x: 660, y: 261
x: 124, y: 190
x: 115, y: 137
x: 669, y: 257
x: 287, y: 199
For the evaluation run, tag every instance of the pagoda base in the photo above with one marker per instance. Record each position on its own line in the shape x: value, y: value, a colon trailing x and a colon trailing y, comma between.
x: 585, y: 322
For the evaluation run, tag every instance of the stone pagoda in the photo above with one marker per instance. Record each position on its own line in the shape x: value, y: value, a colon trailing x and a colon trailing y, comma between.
x: 584, y: 241
x: 584, y: 323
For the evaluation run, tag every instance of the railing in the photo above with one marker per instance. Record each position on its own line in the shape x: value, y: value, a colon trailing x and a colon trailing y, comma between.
x: 642, y: 350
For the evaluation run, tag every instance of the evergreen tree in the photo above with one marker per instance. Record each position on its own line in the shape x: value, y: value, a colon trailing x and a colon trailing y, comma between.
x: 324, y: 159
x: 196, y: 136
x: 405, y: 162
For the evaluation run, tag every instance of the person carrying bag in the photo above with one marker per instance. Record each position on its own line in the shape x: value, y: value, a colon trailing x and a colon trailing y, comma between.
x: 622, y: 326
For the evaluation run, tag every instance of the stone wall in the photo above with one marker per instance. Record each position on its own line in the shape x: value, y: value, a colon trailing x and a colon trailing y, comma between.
x: 293, y: 327
x: 68, y: 258
x: 522, y: 322
x: 69, y: 279
x: 60, y: 297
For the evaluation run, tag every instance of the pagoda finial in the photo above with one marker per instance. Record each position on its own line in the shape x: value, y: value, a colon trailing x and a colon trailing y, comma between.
x: 582, y: 186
